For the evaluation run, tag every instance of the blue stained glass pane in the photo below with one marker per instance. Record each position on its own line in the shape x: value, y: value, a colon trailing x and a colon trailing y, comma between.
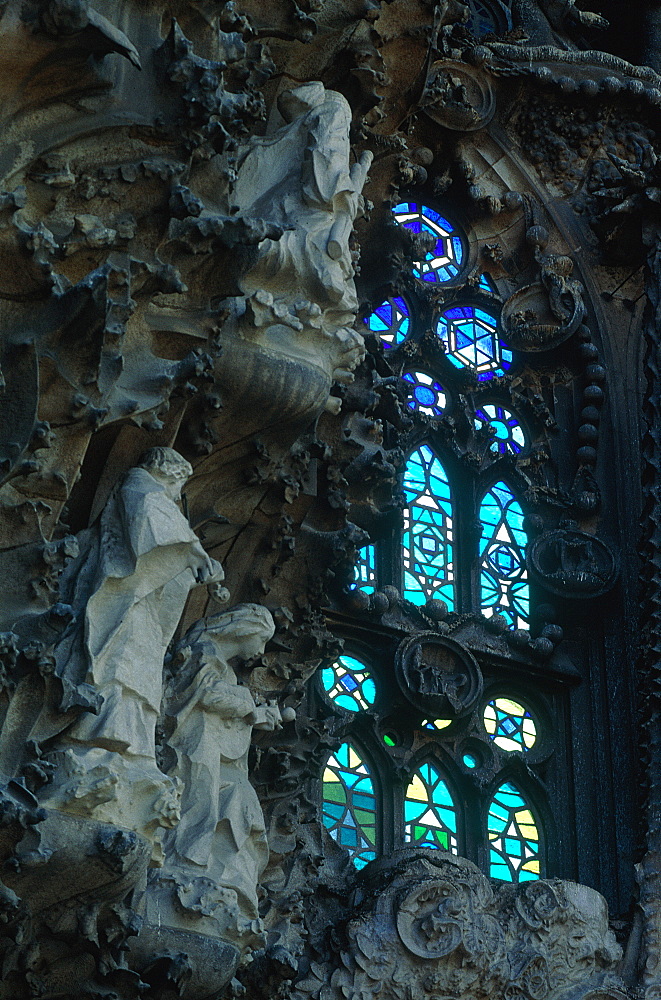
x: 348, y: 683
x: 349, y: 804
x: 471, y: 340
x: 427, y: 540
x: 391, y: 321
x: 430, y: 816
x: 514, y: 857
x: 504, y: 577
x: 426, y: 395
x: 508, y: 434
x: 445, y: 262
x: 364, y: 574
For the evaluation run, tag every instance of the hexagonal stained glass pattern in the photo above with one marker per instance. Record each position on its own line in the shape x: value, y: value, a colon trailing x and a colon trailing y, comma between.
x: 510, y: 725
x: 391, y: 321
x: 513, y: 837
x: 503, y: 574
x: 471, y: 340
x: 348, y: 683
x: 509, y: 436
x: 426, y: 395
x: 444, y: 262
x: 349, y: 804
x: 427, y: 540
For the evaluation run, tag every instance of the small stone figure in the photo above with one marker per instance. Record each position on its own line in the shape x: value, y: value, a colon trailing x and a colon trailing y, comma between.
x: 127, y: 591
x: 221, y: 834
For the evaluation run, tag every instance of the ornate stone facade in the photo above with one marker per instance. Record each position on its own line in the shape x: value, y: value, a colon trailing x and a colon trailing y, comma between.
x: 201, y: 432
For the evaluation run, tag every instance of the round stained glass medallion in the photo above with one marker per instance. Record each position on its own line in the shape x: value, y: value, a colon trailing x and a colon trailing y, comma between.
x: 509, y: 436
x: 471, y: 340
x: 349, y: 684
x: 426, y: 395
x: 510, y: 725
x: 391, y: 321
x: 443, y: 262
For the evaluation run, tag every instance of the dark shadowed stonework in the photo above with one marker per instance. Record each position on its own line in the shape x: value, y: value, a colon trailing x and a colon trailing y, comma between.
x: 330, y: 328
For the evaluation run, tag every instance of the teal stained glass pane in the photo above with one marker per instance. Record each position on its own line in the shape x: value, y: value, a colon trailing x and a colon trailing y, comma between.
x: 349, y: 804
x: 486, y: 284
x: 471, y: 340
x: 391, y: 321
x: 349, y: 684
x: 427, y: 540
x: 513, y: 837
x: 509, y: 436
x: 426, y: 395
x: 503, y: 575
x: 364, y: 574
x: 444, y: 261
x: 430, y: 815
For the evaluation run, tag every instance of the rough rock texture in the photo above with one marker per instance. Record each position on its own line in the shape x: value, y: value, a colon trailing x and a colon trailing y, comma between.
x: 195, y: 217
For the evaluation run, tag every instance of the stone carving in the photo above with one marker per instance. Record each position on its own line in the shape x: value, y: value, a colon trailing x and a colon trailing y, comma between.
x: 214, y: 857
x: 572, y: 563
x: 438, y: 675
x: 127, y: 590
x: 458, y: 97
x: 437, y: 924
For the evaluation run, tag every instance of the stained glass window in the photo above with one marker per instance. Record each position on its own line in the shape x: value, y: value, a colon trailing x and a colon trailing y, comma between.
x: 349, y: 804
x: 503, y: 576
x: 349, y: 684
x: 443, y: 263
x: 484, y: 20
x: 426, y: 395
x: 514, y: 854
x: 430, y: 816
x: 364, y: 574
x: 391, y: 321
x: 437, y: 724
x: 509, y: 724
x: 486, y: 284
x: 471, y: 340
x: 508, y: 432
x: 427, y: 541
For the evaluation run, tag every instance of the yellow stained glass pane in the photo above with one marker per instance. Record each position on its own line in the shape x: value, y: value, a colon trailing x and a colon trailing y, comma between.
x: 416, y: 789
x: 529, y: 832
x: 531, y: 866
x: 330, y: 775
x: 525, y: 816
x: 509, y: 706
x: 354, y: 759
x: 506, y: 744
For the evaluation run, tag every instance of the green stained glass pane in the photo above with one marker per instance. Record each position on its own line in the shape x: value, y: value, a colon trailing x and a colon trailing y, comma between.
x: 349, y: 804
x: 516, y: 856
x: 349, y: 684
x: 427, y: 540
x: 430, y: 815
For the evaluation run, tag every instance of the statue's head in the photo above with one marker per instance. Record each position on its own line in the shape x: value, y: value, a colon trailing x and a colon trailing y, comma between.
x: 242, y: 631
x: 169, y: 467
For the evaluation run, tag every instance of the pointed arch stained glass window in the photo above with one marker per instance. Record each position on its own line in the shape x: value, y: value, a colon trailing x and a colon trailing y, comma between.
x: 503, y: 575
x: 514, y: 853
x: 427, y: 541
x: 471, y: 340
x: 426, y: 395
x: 391, y: 321
x: 430, y: 815
x: 349, y: 804
x: 509, y: 436
x: 364, y: 574
x: 348, y: 683
x: 444, y: 261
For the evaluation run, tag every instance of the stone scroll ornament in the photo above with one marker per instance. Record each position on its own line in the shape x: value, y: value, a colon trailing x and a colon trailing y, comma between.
x: 127, y: 590
x: 542, y: 315
x: 438, y: 675
x: 572, y: 563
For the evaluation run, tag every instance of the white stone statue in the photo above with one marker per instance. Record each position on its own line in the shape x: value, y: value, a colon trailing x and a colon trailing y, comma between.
x: 221, y: 833
x: 127, y: 589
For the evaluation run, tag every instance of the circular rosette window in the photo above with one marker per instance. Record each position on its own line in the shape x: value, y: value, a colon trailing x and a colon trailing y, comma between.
x: 472, y: 341
x: 425, y: 394
x: 438, y: 675
x: 348, y: 684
